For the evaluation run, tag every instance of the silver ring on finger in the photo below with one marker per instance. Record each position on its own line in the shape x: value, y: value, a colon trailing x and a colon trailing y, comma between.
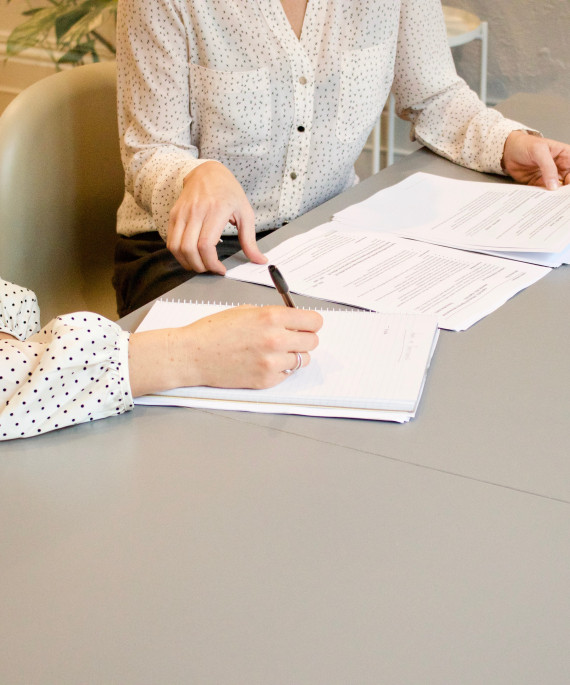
x: 297, y: 367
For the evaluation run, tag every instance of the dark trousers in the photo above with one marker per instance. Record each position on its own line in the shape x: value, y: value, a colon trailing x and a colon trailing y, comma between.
x: 145, y: 269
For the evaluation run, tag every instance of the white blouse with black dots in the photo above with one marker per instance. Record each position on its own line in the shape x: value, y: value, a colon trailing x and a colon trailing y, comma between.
x: 212, y: 79
x: 74, y: 370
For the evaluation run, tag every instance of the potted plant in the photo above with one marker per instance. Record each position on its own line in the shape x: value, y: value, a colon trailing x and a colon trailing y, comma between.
x: 70, y: 27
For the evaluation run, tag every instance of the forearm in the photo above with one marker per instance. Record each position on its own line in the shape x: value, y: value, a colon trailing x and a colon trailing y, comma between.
x: 446, y: 115
x: 457, y: 126
x: 160, y: 360
x: 154, y: 105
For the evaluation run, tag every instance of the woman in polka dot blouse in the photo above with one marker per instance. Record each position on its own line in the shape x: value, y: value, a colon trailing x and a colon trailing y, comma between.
x: 236, y: 117
x: 82, y: 367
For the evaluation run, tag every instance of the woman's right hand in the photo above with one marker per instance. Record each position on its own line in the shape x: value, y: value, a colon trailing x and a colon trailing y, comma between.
x: 211, y: 197
x: 242, y: 347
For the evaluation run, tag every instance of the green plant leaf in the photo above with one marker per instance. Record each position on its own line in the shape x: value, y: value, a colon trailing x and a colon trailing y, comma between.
x: 74, y: 56
x: 97, y: 12
x: 65, y: 21
x: 74, y: 23
x: 31, y: 32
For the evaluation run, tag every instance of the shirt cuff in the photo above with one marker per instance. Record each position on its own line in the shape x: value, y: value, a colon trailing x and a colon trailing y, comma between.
x: 493, y: 156
x: 123, y: 362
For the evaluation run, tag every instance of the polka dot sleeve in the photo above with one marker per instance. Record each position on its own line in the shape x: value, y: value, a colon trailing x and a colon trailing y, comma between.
x: 74, y: 370
x: 19, y: 311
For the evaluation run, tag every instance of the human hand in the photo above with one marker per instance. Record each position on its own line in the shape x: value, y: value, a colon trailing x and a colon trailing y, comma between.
x: 210, y: 198
x: 242, y: 347
x: 536, y: 161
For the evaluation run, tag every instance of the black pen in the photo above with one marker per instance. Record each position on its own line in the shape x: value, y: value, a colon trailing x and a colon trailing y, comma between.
x: 281, y: 285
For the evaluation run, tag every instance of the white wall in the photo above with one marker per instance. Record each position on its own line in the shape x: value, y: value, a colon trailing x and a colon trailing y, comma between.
x: 529, y: 46
x: 11, y: 12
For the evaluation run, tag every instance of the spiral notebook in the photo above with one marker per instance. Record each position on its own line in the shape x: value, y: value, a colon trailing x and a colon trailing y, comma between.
x: 367, y: 365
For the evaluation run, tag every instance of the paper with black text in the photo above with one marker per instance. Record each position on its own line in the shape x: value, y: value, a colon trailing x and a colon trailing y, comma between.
x: 470, y: 215
x: 366, y: 365
x: 386, y: 273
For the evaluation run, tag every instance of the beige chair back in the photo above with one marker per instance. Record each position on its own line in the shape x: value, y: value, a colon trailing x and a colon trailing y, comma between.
x: 61, y: 182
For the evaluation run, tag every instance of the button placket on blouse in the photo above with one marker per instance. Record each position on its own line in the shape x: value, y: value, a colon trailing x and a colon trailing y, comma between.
x: 303, y: 83
x: 305, y: 58
x: 295, y: 169
x: 298, y: 150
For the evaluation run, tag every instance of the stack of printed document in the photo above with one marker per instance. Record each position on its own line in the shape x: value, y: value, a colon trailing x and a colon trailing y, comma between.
x: 367, y: 365
x: 526, y: 223
x: 453, y: 249
x: 383, y: 272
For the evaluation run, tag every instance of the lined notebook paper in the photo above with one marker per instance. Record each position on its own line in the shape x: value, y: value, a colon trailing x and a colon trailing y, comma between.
x: 367, y: 365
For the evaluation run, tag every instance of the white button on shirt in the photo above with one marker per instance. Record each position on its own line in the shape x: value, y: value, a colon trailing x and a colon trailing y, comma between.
x: 213, y: 79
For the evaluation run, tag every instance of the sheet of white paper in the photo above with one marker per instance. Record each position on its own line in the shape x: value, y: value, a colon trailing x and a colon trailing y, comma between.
x: 468, y: 214
x: 552, y: 260
x: 369, y: 223
x: 364, y: 361
x: 266, y: 408
x: 385, y: 273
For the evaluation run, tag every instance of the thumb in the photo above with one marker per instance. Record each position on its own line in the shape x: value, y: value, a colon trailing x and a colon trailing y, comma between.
x: 245, y: 223
x: 547, y: 166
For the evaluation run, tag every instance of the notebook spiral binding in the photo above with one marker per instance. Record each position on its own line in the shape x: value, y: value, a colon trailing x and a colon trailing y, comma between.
x: 174, y: 300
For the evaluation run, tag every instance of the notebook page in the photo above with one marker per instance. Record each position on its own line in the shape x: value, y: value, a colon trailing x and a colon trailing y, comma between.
x: 364, y: 360
x: 165, y: 400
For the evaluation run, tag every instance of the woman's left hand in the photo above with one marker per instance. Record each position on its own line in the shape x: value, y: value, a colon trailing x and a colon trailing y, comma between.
x: 536, y: 161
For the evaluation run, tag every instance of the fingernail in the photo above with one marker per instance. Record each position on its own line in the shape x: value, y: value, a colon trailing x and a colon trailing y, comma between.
x: 552, y: 184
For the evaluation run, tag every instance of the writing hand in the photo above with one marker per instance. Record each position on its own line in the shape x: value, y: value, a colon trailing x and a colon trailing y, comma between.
x: 243, y: 347
x: 537, y: 161
x: 211, y: 198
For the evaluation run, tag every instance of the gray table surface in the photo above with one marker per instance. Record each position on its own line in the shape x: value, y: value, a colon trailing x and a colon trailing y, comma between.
x: 180, y: 546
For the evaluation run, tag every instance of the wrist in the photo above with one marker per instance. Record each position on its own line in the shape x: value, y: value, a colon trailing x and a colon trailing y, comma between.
x: 154, y: 361
x: 513, y: 135
x: 205, y: 164
x: 182, y: 354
